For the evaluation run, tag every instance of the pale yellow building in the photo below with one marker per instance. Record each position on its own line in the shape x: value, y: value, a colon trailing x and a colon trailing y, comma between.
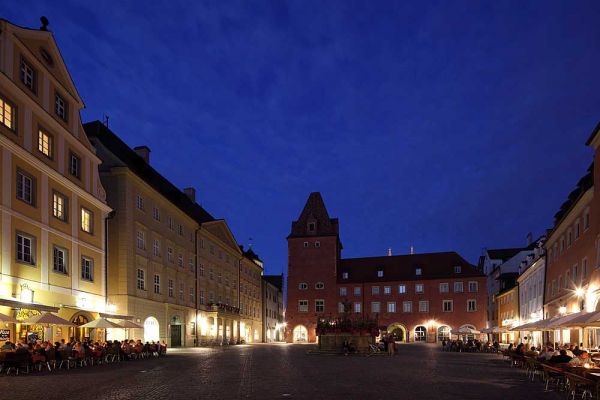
x: 52, y: 201
x: 251, y: 271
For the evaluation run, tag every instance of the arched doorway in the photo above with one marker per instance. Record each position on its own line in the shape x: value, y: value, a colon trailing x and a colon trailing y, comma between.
x: 151, y: 330
x: 420, y: 334
x: 467, y: 336
x: 443, y: 333
x: 300, y: 334
x: 78, y: 333
x: 398, y: 332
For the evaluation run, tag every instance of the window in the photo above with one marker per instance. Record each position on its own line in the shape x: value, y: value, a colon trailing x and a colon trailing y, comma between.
x: 418, y: 271
x: 141, y: 240
x: 172, y: 227
x: 319, y: 306
x: 156, y: 213
x: 180, y: 231
x: 193, y: 267
x: 319, y: 285
x: 170, y: 287
x: 577, y: 230
x: 473, y: 286
x: 59, y: 206
x: 343, y: 291
x: 87, y: 269
x: 569, y: 237
x: 419, y: 288
x: 317, y: 244
x: 303, y: 286
x: 407, y: 306
x: 86, y: 220
x: 458, y: 287
x: 156, y: 284
x: 201, y: 300
x: 141, y: 279
x: 380, y: 273
x: 60, y: 259
x: 303, y: 305
x: 45, y: 143
x: 139, y: 202
x: 423, y: 306
x: 341, y: 308
x: 387, y: 290
x: 457, y: 269
x: 201, y: 269
x: 305, y: 244
x: 28, y: 75
x: 156, y: 248
x: 181, y: 289
x: 586, y: 220
x: 584, y: 268
x: 180, y: 262
x: 447, y: 305
x: 374, y: 289
x: 311, y: 226
x: 25, y: 249
x: 192, y: 295
x: 401, y: 289
x: 375, y: 307
x: 357, y: 308
x: 7, y: 114
x: 344, y: 275
x: 25, y: 187
x: 74, y: 165
x: 471, y: 305
x: 391, y: 307
x: 357, y: 291
x: 444, y: 287
x: 60, y: 107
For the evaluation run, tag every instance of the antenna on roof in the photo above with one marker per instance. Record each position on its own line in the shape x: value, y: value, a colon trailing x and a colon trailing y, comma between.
x: 105, y: 120
x: 389, y: 251
x: 45, y: 23
x: 412, y: 249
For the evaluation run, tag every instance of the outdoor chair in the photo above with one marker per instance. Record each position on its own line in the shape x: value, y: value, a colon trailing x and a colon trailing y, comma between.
x: 17, y: 362
x: 553, y: 376
x: 533, y: 368
x: 578, y: 386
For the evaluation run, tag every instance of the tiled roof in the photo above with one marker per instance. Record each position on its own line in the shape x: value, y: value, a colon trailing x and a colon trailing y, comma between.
x: 315, y: 211
x: 403, y: 267
x: 584, y: 184
x: 275, y: 280
x: 97, y: 131
x: 504, y: 254
x: 593, y: 134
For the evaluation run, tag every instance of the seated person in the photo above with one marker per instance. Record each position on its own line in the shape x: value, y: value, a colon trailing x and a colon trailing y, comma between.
x: 546, y: 354
x: 8, y: 346
x: 582, y: 358
x: 563, y: 358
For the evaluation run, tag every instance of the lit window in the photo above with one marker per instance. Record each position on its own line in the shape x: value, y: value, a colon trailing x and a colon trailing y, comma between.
x: 341, y: 308
x: 7, y: 114
x: 391, y: 307
x: 59, y: 206
x: 357, y: 308
x: 141, y: 279
x: 303, y: 305
x: 401, y: 289
x: 387, y: 290
x: 60, y: 107
x: 45, y: 143
x: 157, y: 284
x: 343, y: 291
x: 25, y: 187
x: 407, y: 306
x: 419, y: 288
x: 25, y: 249
x: 60, y: 260
x: 418, y: 271
x: 87, y: 269
x: 86, y: 220
x: 28, y: 75
x: 344, y: 275
x: 380, y: 273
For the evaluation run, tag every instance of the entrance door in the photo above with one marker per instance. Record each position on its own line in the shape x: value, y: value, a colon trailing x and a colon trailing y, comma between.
x: 420, y: 334
x: 398, y: 334
x: 175, y: 335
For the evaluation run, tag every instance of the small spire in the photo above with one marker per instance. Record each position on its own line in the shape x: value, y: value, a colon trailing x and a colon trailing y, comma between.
x: 389, y: 251
x: 412, y: 249
x: 44, y: 22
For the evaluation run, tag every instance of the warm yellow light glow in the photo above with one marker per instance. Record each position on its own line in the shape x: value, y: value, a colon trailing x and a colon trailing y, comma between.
x: 26, y: 294
x: 562, y: 310
x: 111, y: 308
x: 579, y: 292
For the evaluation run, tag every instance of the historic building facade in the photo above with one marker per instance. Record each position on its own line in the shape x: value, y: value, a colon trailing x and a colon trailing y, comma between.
x: 273, y: 308
x: 53, y: 203
x: 417, y: 297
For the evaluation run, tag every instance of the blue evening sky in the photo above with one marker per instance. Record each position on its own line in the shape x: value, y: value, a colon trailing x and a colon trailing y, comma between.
x: 446, y: 124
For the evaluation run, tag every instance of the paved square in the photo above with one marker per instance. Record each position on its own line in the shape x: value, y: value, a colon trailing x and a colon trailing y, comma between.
x: 419, y: 371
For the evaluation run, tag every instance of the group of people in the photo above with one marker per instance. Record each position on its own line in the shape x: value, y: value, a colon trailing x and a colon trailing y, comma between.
x: 461, y: 346
x: 42, y: 351
x: 570, y: 354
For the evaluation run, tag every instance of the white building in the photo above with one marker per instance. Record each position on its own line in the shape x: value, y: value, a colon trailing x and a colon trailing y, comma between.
x: 531, y: 292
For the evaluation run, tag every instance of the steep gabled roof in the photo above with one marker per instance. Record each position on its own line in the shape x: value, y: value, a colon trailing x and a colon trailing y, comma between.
x: 593, y: 135
x: 403, y: 268
x: 123, y: 155
x: 275, y: 280
x: 315, y: 211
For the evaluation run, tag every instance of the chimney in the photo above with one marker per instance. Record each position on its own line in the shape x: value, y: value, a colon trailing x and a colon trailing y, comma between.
x: 389, y: 251
x: 190, y: 192
x: 529, y: 238
x: 144, y: 152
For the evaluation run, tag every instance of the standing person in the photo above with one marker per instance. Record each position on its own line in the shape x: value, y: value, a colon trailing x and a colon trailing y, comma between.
x: 391, y: 345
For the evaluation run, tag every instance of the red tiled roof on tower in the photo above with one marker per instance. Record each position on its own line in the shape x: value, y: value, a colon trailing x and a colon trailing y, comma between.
x: 314, y: 212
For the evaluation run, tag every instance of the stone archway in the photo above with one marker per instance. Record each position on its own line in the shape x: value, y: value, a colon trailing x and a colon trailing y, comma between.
x: 151, y: 330
x: 300, y: 334
x: 420, y: 334
x: 398, y: 331
x: 443, y: 333
x: 80, y: 318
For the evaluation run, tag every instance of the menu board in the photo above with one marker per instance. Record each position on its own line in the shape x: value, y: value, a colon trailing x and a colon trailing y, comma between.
x: 4, y: 334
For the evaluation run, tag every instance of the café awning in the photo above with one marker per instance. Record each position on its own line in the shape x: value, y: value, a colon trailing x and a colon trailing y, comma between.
x: 100, y: 323
x: 7, y: 319
x: 561, y: 322
x: 128, y: 325
x: 495, y: 329
x: 47, y: 319
x: 465, y: 331
x: 585, y: 320
x: 29, y: 306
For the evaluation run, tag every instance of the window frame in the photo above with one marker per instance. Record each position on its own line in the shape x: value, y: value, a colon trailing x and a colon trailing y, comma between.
x: 65, y: 106
x: 65, y: 266
x: 32, y: 248
x: 65, y: 206
x: 75, y: 172
x: 87, y: 269
x: 89, y: 212
x: 24, y: 64
x: 140, y: 279
x: 13, y: 114
x: 43, y: 133
x: 32, y: 187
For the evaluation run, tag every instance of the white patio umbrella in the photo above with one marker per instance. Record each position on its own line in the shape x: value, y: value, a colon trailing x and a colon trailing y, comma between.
x: 465, y: 330
x: 128, y: 324
x: 7, y: 319
x: 47, y: 319
x: 100, y: 323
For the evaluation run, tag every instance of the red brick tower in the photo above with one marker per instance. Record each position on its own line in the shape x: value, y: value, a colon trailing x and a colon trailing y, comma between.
x: 314, y: 250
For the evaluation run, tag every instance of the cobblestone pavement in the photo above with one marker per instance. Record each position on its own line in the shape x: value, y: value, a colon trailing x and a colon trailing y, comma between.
x: 280, y: 371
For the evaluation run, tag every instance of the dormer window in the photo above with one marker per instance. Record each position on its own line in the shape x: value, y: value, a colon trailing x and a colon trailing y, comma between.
x: 312, y: 226
x: 418, y: 271
x: 457, y: 269
x: 380, y: 273
x: 303, y: 286
x: 317, y: 244
x: 344, y: 275
x: 319, y: 285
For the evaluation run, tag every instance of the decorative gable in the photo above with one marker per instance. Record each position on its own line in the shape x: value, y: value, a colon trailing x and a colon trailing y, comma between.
x: 220, y: 230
